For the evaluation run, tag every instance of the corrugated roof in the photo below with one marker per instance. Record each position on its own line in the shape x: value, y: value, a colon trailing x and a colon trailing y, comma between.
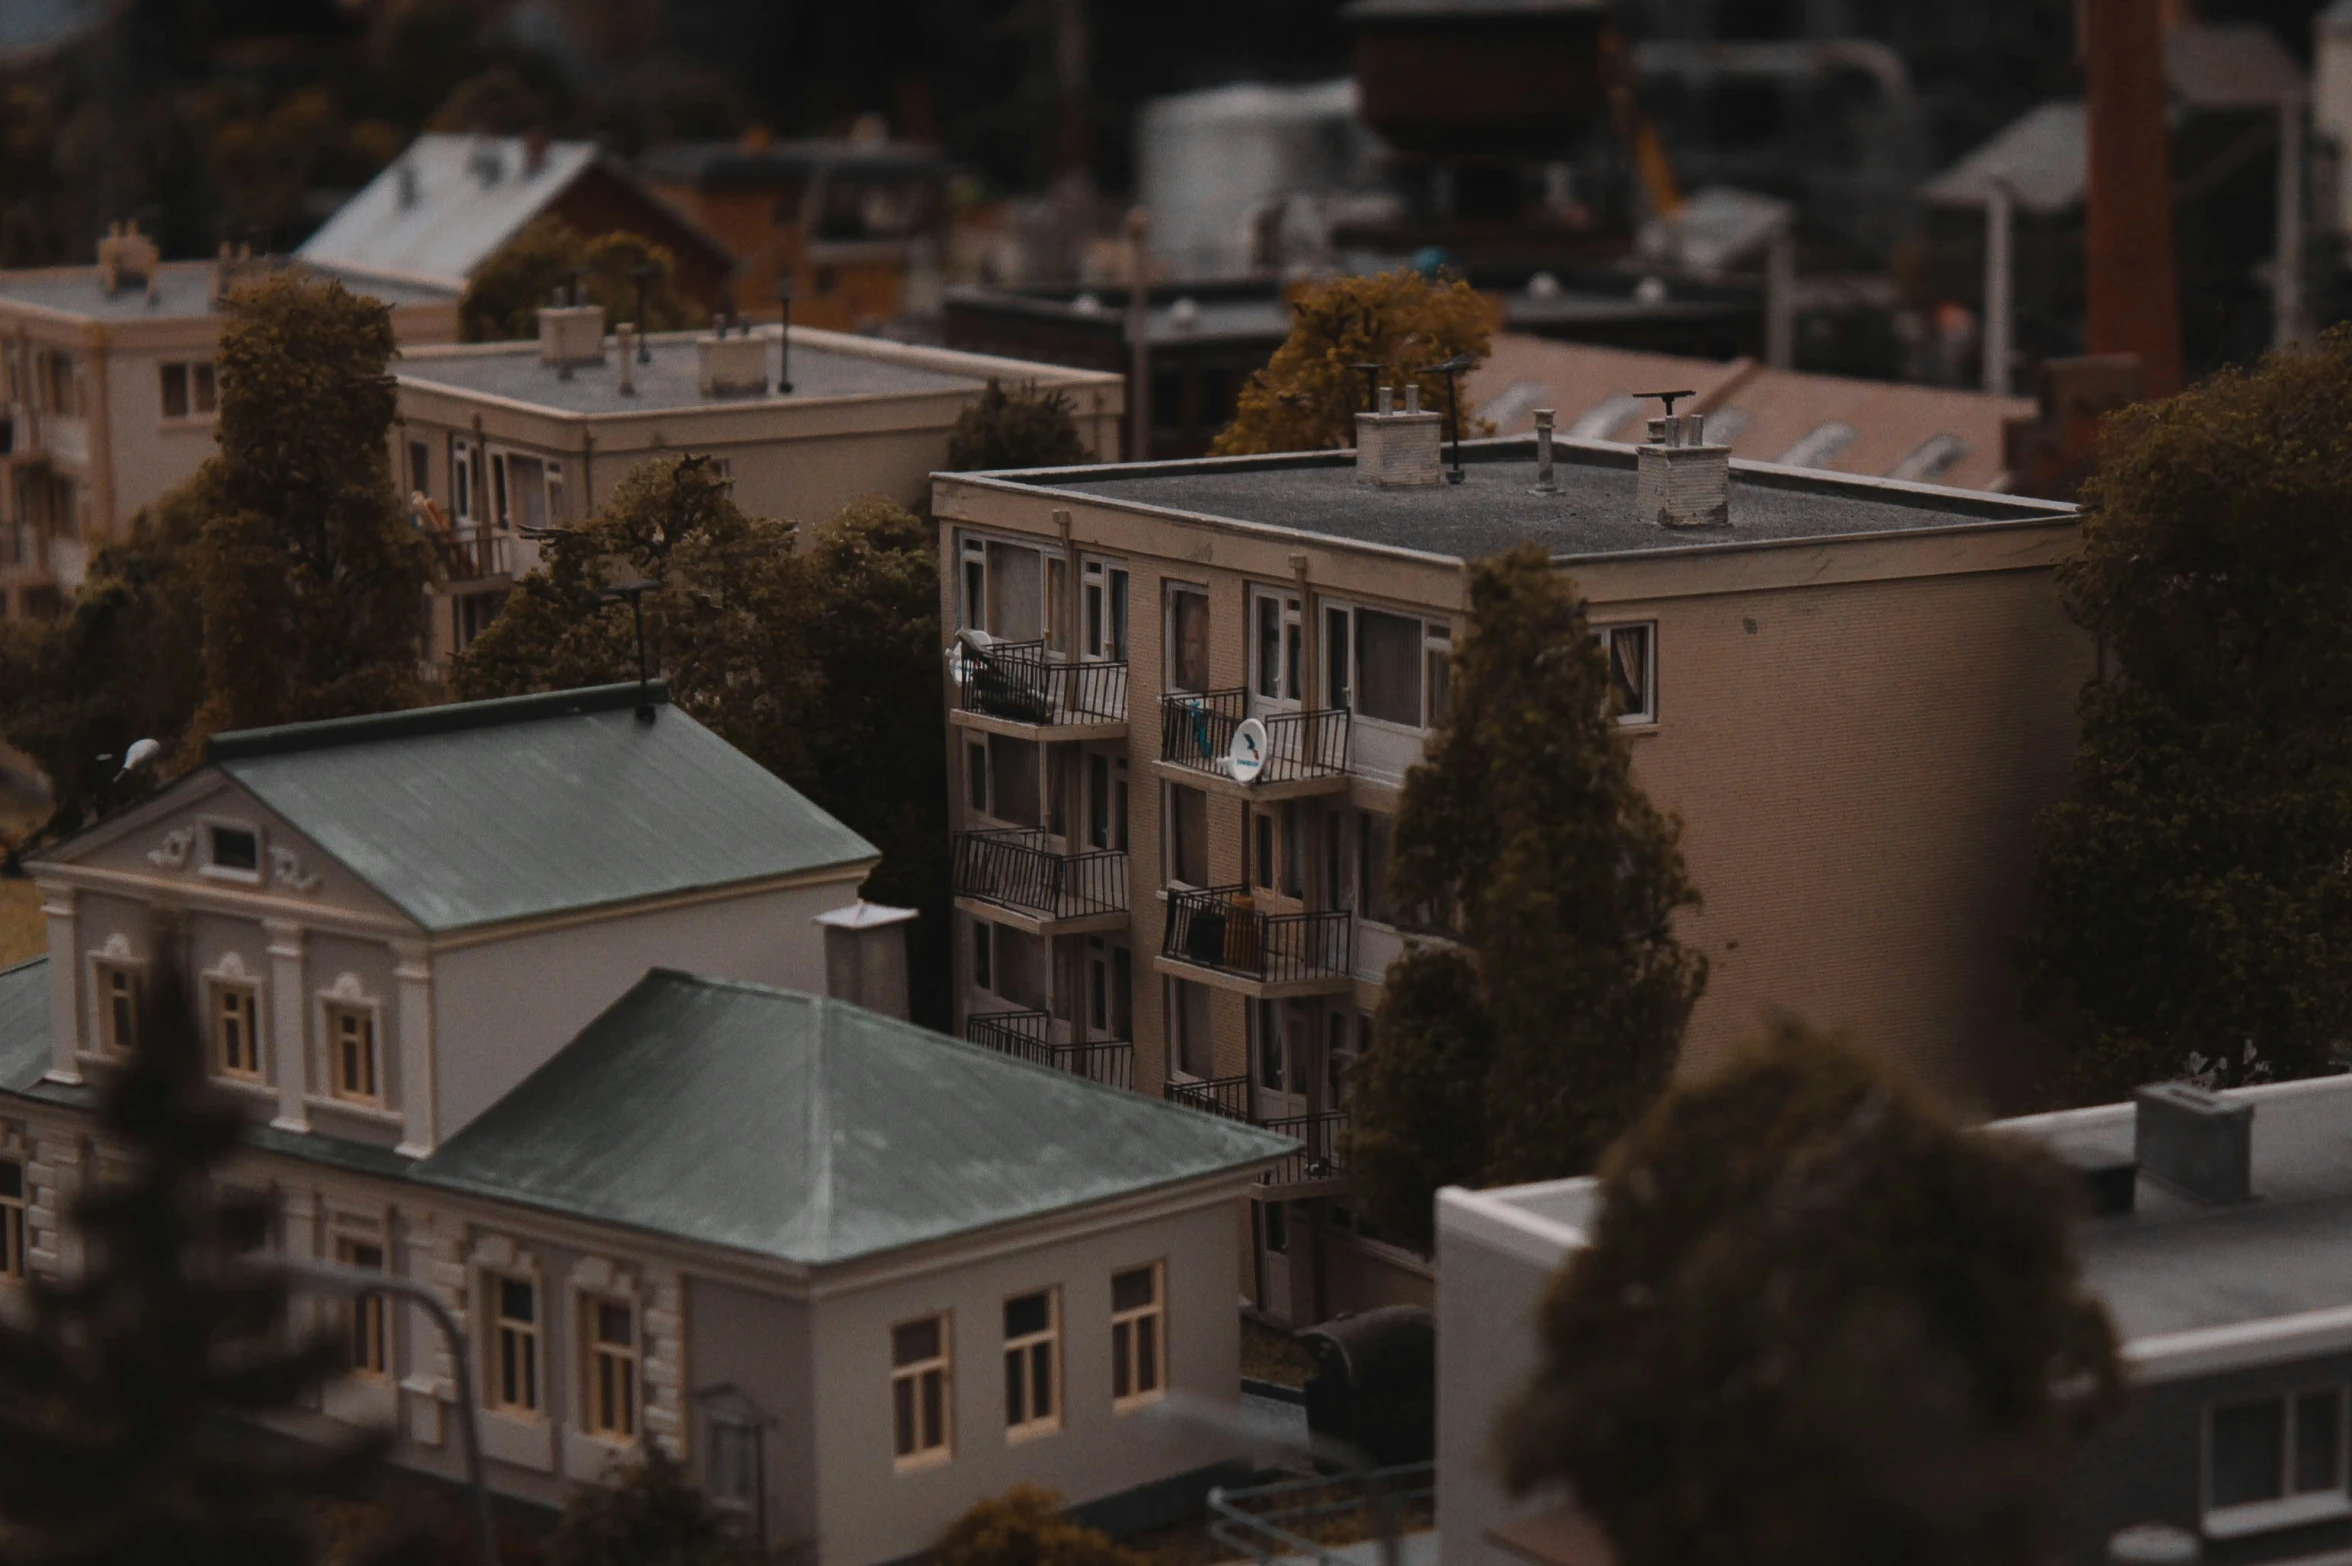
x: 813, y: 1131
x: 471, y: 194
x: 488, y: 811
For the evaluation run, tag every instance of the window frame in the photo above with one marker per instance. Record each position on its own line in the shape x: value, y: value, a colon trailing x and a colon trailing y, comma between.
x: 609, y: 1367
x: 505, y: 1333
x: 1126, y: 1364
x: 1646, y: 717
x: 1343, y: 664
x: 2291, y: 1505
x: 113, y: 1039
x: 1105, y: 623
x: 221, y: 987
x: 913, y: 1373
x: 209, y: 829
x: 1022, y: 1356
x: 1172, y: 636
x: 367, y: 1332
x: 334, y: 1006
x: 199, y: 390
x: 15, y: 1221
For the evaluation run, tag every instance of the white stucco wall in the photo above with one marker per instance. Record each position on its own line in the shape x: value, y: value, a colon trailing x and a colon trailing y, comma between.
x: 502, y: 1008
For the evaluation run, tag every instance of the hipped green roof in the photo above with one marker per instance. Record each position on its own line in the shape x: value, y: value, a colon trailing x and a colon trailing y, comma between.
x: 813, y: 1131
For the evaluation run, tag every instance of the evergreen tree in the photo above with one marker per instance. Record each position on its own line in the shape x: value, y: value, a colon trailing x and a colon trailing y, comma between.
x: 645, y: 1513
x: 1026, y: 1526
x: 1817, y: 1322
x: 310, y: 573
x: 128, y: 1393
x: 540, y: 264
x: 2195, y: 884
x: 1308, y: 395
x: 1524, y: 833
x: 1021, y: 428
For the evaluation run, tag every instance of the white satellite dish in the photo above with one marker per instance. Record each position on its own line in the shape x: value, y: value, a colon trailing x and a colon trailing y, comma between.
x: 1247, y: 756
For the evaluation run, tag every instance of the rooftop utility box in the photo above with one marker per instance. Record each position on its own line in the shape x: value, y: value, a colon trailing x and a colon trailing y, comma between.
x: 866, y: 956
x: 732, y: 365
x: 571, y: 334
x: 1399, y: 449
x: 1375, y: 1383
x: 1680, y: 480
x: 2197, y: 1142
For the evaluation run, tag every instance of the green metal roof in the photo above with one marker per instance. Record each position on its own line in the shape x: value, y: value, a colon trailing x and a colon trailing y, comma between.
x: 813, y: 1131
x: 24, y: 1024
x: 487, y: 811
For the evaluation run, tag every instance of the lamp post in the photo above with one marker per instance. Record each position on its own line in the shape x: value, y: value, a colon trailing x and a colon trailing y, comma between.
x: 634, y: 592
x: 641, y: 274
x: 784, y: 335
x: 344, y: 1283
x: 1183, y: 1413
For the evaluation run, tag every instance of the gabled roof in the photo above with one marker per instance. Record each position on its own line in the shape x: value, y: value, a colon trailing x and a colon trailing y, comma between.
x: 446, y: 205
x: 482, y: 812
x: 812, y: 1131
x: 24, y: 1024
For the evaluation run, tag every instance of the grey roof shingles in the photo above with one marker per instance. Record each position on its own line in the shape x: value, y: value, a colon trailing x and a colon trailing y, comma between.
x: 813, y: 1132
x: 490, y: 811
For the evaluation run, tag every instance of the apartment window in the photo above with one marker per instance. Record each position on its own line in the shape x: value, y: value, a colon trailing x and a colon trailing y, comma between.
x: 514, y: 1344
x: 1188, y: 639
x: 1339, y: 1060
x: 976, y: 776
x: 1057, y: 599
x: 1632, y: 651
x: 1188, y: 1028
x: 1110, y: 989
x: 919, y: 1390
x: 983, y: 955
x: 1105, y: 611
x: 366, y: 1341
x: 1277, y: 1227
x: 1294, y: 870
x: 1275, y: 653
x: 1098, y: 801
x: 1338, y: 660
x: 608, y: 1332
x: 1266, y: 1023
x: 731, y: 1464
x: 1262, y: 859
x: 1374, y: 835
x: 12, y: 1221
x: 1187, y: 850
x: 461, y: 481
x: 1122, y: 993
x: 118, y: 1008
x: 1437, y: 653
x: 1388, y: 667
x: 1004, y: 589
x: 351, y: 1043
x: 1139, y: 1347
x: 1012, y: 776
x: 973, y: 607
x: 189, y: 390
x: 1032, y: 1354
x: 420, y: 468
x: 2275, y: 1449
x: 236, y: 1030
x: 499, y: 512
x: 234, y: 851
x: 474, y: 613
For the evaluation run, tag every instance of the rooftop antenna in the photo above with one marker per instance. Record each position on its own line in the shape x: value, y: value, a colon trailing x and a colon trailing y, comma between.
x: 1452, y: 370
x: 643, y: 273
x: 1666, y: 397
x: 634, y: 591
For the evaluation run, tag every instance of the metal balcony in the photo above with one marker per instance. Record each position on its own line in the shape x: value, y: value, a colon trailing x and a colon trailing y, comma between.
x: 1221, y: 930
x: 1302, y: 748
x: 469, y: 554
x: 1019, y: 682
x: 1024, y: 1036
x: 1226, y: 1097
x: 1014, y: 868
x: 1319, y: 1135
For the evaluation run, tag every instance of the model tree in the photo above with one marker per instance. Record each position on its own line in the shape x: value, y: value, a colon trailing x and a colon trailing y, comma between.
x: 646, y: 1512
x: 2195, y: 883
x: 1308, y: 395
x: 1817, y: 1322
x: 309, y: 570
x: 1026, y: 1526
x: 1021, y: 428
x: 1523, y: 835
x: 540, y: 264
x: 128, y: 1393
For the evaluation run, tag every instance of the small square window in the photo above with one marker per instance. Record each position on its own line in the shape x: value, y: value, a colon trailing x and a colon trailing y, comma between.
x: 236, y: 850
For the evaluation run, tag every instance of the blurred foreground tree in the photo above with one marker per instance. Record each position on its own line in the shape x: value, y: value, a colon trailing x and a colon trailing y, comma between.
x: 502, y: 301
x: 1817, y: 1322
x: 1308, y: 395
x: 1026, y: 1526
x: 1021, y: 428
x: 1519, y: 1053
x: 129, y: 1395
x: 647, y: 1512
x: 2195, y: 884
x: 816, y: 653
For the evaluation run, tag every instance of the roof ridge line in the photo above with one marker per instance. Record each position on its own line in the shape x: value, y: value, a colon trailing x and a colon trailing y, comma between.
x: 820, y: 1126
x: 416, y: 722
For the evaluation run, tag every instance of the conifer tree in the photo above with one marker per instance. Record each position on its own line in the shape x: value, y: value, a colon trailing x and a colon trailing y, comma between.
x: 646, y: 1512
x: 1524, y: 833
x: 1021, y: 428
x: 2195, y: 883
x: 1817, y: 1322
x: 128, y: 1393
x: 542, y: 262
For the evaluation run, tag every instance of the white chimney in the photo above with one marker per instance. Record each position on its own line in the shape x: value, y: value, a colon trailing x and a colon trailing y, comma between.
x: 1395, y: 450
x: 1680, y: 480
x: 732, y: 365
x: 571, y: 335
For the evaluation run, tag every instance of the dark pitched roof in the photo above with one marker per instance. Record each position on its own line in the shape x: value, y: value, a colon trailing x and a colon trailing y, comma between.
x: 481, y: 812
x: 24, y: 1024
x: 812, y: 1131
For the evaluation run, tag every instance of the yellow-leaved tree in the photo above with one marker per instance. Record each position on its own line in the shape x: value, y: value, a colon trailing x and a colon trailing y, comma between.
x: 1308, y: 395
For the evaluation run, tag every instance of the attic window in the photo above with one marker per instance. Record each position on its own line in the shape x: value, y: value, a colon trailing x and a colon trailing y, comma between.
x: 236, y: 850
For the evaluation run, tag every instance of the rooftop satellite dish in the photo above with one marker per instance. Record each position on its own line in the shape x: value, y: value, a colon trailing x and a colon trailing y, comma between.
x: 1247, y: 756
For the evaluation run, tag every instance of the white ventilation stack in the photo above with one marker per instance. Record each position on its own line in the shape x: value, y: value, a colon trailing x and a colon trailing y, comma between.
x: 1400, y: 450
x: 1679, y: 479
x: 571, y: 335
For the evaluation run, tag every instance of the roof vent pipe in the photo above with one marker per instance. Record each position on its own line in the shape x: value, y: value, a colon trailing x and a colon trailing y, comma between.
x: 2195, y: 1141
x: 625, y: 343
x: 1679, y: 479
x: 1545, y: 484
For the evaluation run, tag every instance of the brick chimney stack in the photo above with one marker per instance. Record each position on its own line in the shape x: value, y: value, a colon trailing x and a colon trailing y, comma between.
x: 2134, y: 297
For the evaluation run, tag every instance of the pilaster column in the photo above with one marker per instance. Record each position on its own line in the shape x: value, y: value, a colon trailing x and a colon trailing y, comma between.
x: 65, y: 981
x: 289, y: 1023
x: 414, y: 973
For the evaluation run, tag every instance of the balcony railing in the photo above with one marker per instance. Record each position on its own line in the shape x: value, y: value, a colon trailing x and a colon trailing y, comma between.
x: 1221, y: 928
x: 1014, y: 868
x: 1227, y: 1097
x: 1018, y: 682
x: 469, y: 554
x: 1022, y: 1035
x: 1196, y: 731
x: 1318, y: 1157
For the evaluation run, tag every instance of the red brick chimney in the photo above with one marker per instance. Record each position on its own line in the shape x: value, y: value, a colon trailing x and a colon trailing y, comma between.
x: 2134, y: 297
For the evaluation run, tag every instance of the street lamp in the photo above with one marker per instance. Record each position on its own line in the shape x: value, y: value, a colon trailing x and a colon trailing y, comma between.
x: 1183, y: 1413
x: 345, y: 1283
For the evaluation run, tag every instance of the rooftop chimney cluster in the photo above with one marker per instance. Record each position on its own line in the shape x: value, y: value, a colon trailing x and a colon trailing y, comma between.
x: 731, y: 363
x: 237, y: 268
x: 1679, y: 479
x: 571, y: 335
x: 127, y: 256
x: 1399, y: 449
